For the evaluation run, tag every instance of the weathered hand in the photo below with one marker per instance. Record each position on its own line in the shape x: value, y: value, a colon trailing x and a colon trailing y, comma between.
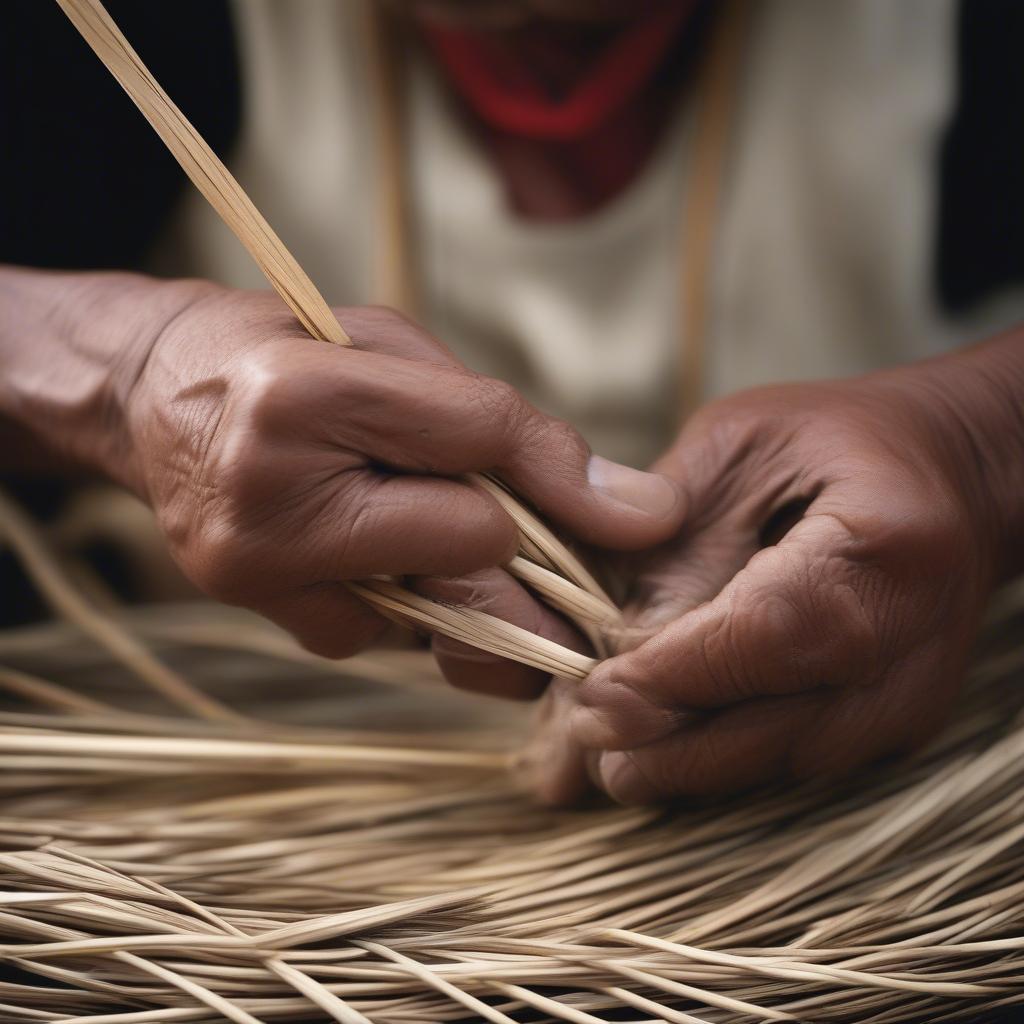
x: 280, y: 467
x: 817, y: 608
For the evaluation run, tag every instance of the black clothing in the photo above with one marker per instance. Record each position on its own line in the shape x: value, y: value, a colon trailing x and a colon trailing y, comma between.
x: 85, y: 183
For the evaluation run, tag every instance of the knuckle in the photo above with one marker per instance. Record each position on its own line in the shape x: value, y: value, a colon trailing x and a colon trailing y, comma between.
x: 562, y: 444
x: 289, y: 389
x: 827, y: 628
x: 777, y: 622
x: 497, y: 402
x: 811, y: 624
x: 934, y: 535
x: 918, y: 523
x: 621, y: 713
x: 490, y: 415
x: 269, y: 392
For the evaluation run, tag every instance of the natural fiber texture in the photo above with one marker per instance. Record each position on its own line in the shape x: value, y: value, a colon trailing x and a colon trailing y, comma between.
x: 227, y: 197
x: 257, y: 866
x: 271, y: 869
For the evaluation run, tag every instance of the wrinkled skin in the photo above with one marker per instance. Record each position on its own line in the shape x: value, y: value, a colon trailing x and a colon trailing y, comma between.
x: 280, y: 467
x: 810, y: 561
x: 817, y: 608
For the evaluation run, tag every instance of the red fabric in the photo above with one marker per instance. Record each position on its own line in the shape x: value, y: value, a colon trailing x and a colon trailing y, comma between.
x: 569, y: 115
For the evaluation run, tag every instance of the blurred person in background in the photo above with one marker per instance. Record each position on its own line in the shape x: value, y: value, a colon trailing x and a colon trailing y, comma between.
x: 696, y: 278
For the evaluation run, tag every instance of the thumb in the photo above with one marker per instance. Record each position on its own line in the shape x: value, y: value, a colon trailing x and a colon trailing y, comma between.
x: 599, y: 501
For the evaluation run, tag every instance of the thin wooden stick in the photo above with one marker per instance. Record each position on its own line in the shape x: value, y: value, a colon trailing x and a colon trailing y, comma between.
x: 205, y: 170
x: 237, y: 211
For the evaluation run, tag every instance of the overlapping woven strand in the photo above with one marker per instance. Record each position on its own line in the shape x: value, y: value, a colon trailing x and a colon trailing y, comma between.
x: 268, y: 868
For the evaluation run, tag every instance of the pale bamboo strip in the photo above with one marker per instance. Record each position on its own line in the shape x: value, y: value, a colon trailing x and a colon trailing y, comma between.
x: 432, y: 979
x: 34, y: 743
x: 227, y: 197
x: 204, y: 995
x: 206, y: 171
x: 479, y: 629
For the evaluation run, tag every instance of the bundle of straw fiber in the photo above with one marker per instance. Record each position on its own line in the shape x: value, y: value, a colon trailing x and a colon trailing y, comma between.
x: 266, y: 868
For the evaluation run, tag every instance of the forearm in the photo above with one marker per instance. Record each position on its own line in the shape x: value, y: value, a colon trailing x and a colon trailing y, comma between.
x: 71, y: 345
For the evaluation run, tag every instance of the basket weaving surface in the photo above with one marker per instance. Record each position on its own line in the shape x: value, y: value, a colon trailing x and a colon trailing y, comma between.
x: 368, y: 857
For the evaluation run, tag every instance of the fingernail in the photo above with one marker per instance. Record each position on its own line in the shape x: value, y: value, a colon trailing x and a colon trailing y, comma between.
x: 621, y: 780
x: 650, y: 493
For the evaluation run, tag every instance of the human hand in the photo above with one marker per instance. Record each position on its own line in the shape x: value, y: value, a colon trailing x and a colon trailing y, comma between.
x: 280, y: 467
x: 816, y: 610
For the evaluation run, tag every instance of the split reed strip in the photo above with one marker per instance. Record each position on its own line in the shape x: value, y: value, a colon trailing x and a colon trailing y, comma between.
x: 36, y: 743
x: 226, y: 196
x: 205, y: 170
x: 478, y: 629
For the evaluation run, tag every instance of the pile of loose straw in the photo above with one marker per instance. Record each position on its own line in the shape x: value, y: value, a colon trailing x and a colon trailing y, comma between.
x: 269, y: 868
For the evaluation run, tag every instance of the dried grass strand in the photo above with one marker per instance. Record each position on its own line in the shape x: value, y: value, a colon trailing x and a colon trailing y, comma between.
x: 24, y: 539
